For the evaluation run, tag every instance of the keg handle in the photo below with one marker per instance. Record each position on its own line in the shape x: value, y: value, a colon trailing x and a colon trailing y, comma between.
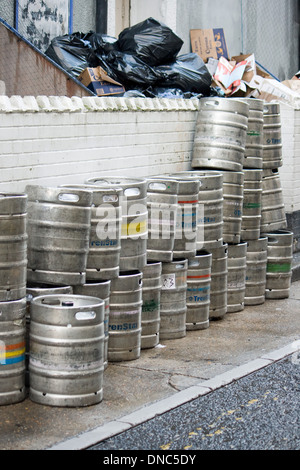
x: 194, y: 263
x: 68, y: 197
x: 212, y: 103
x: 85, y: 315
x: 132, y: 191
x: 179, y: 266
x: 110, y: 198
x: 157, y: 186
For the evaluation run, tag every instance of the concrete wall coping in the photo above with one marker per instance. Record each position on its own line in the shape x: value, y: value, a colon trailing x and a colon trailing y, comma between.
x: 62, y: 104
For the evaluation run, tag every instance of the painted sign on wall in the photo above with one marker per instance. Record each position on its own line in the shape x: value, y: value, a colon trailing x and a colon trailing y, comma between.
x: 39, y: 21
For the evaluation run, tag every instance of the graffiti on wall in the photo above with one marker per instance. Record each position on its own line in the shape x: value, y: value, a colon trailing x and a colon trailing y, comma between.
x: 39, y: 21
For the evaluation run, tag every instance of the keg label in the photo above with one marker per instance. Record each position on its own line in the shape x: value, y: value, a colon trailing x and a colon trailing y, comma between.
x: 12, y: 353
x: 192, y: 295
x: 169, y: 281
x: 123, y: 326
x: 206, y: 220
x: 107, y: 242
x: 198, y: 298
x: 236, y: 284
x: 273, y: 141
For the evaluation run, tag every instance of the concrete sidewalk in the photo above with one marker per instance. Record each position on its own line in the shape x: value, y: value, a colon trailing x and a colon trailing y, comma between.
x: 163, y: 377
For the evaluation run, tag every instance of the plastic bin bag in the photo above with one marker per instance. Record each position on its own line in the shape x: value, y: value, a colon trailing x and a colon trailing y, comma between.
x: 188, y: 72
x: 73, y: 52
x: 151, y: 41
x: 128, y: 70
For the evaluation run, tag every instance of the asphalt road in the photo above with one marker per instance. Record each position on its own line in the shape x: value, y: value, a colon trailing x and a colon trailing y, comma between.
x: 257, y: 412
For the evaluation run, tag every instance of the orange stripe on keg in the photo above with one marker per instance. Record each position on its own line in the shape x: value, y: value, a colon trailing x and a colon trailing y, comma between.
x: 10, y: 347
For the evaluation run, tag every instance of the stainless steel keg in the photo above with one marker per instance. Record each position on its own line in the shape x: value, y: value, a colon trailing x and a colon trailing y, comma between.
x: 218, y: 286
x: 198, y: 291
x: 279, y: 264
x: 251, y: 216
x: 210, y: 208
x: 35, y: 290
x: 134, y: 227
x: 254, y: 141
x: 13, y: 246
x: 272, y: 204
x: 12, y: 351
x: 66, y: 350
x: 162, y: 200
x: 173, y: 299
x: 253, y: 157
x: 151, y: 290
x: 125, y: 317
x: 256, y: 271
x: 100, y: 289
x: 233, y: 194
x: 59, y: 221
x: 272, y: 138
x: 220, y: 134
x: 236, y: 279
x: 105, y: 235
x: 185, y: 243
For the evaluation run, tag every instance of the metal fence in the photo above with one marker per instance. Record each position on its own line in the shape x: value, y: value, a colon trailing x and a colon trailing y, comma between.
x: 271, y: 29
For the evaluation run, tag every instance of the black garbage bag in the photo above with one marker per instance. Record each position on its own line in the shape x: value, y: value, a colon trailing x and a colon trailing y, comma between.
x: 188, y: 72
x: 129, y: 70
x: 151, y: 41
x: 102, y: 44
x: 73, y: 52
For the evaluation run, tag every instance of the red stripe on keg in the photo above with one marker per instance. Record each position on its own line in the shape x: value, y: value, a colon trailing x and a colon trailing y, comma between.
x: 198, y: 277
x: 187, y: 202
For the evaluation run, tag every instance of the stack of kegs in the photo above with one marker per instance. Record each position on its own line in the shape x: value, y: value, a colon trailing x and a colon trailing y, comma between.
x: 220, y: 144
x: 13, y: 266
x: 241, y: 139
x: 273, y: 223
x: 173, y: 206
x: 125, y: 309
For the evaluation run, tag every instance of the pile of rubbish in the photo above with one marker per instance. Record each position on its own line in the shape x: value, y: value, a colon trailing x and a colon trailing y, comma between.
x: 145, y: 61
x: 143, y: 58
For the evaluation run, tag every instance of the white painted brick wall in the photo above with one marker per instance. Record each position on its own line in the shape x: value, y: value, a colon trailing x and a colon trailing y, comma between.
x: 51, y: 141
x: 57, y: 140
x: 290, y: 171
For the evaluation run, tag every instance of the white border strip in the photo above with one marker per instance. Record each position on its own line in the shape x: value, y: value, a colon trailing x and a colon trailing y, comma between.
x: 112, y: 428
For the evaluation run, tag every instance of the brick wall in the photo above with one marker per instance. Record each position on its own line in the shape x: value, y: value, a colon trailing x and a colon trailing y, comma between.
x: 290, y: 171
x: 53, y: 140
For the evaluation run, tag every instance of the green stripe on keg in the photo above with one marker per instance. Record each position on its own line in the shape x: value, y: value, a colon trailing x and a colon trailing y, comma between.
x: 253, y: 133
x: 278, y: 267
x: 252, y: 205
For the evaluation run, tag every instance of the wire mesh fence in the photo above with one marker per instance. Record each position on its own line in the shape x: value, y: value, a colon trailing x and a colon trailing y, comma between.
x: 271, y: 29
